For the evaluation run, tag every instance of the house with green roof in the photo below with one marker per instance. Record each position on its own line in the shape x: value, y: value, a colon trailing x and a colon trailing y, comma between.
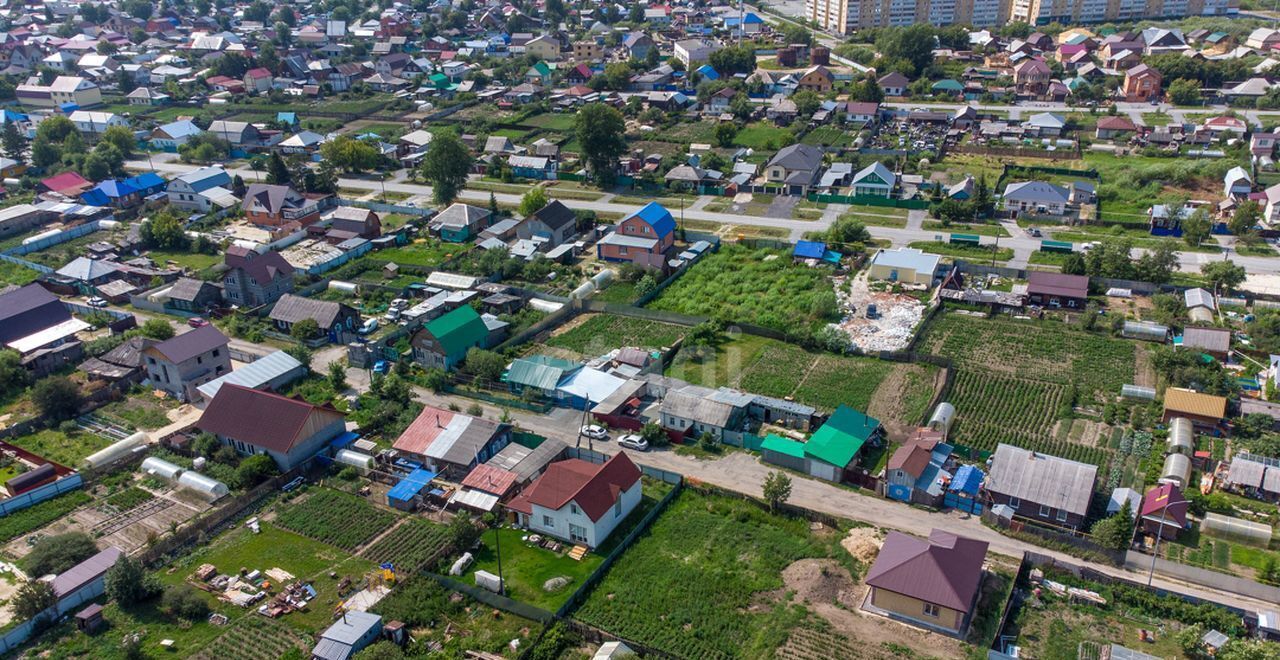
x: 443, y: 343
x: 831, y: 448
x: 538, y: 74
x: 539, y: 374
x: 947, y: 86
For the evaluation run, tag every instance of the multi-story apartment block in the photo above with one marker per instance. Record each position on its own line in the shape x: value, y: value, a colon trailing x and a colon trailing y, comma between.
x: 845, y: 16
x: 1043, y: 12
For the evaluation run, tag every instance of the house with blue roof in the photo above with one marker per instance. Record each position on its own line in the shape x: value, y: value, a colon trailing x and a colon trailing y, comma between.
x: 750, y: 23
x: 147, y: 183
x: 708, y: 72
x: 644, y: 238
x: 174, y: 134
x: 116, y: 194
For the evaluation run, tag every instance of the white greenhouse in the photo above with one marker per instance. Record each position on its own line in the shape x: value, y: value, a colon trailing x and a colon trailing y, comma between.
x: 117, y: 450
x: 212, y: 489
x: 1181, y: 436
x: 158, y: 467
x: 1245, y: 531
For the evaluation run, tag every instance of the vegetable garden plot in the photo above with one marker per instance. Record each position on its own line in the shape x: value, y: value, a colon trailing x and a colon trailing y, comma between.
x: 776, y: 370
x: 688, y: 586
x: 836, y: 380
x: 1046, y: 351
x: 338, y: 519
x: 601, y: 333
x: 411, y: 546
x: 254, y: 638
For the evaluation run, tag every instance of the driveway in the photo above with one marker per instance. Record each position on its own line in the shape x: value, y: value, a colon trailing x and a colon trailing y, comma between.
x: 781, y: 206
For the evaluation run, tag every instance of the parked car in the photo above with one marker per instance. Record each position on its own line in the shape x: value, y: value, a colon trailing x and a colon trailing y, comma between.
x: 97, y: 301
x: 595, y: 432
x: 369, y: 326
x: 871, y: 311
x: 381, y: 367
x: 633, y: 441
x: 1034, y: 231
x: 197, y: 322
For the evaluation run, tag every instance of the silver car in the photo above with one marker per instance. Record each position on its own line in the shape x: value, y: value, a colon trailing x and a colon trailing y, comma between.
x: 633, y: 441
x: 595, y: 432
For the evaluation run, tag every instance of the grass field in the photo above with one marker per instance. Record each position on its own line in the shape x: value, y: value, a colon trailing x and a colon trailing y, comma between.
x: 65, y: 448
x: 527, y: 568
x: 764, y: 287
x: 1015, y: 379
x: 600, y: 333
x: 763, y: 135
x: 456, y: 623
x: 422, y: 253
x: 694, y: 585
x: 14, y: 274
x: 971, y: 252
x: 560, y: 122
x: 829, y: 136
x: 193, y: 261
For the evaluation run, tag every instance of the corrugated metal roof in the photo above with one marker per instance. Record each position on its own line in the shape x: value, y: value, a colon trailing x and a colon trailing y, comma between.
x: 1191, y: 402
x: 255, y: 374
x: 1042, y: 479
x: 781, y: 445
x: 409, y: 486
x: 540, y: 371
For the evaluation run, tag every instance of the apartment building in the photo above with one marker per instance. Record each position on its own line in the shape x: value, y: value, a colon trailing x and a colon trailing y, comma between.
x: 845, y: 16
x: 1043, y: 12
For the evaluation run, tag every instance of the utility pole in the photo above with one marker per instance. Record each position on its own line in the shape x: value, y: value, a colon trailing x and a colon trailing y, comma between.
x: 1155, y: 553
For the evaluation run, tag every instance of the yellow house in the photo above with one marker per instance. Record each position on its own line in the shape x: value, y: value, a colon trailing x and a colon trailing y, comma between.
x: 932, y: 583
x: 543, y: 47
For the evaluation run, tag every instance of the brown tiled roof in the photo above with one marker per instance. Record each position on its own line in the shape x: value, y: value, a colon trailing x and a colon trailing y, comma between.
x: 1058, y: 284
x: 945, y: 570
x: 262, y: 419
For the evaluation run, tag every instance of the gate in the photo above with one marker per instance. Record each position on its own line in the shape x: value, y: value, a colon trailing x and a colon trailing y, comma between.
x: 969, y: 505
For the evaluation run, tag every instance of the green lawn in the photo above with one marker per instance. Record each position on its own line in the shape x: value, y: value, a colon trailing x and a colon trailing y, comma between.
x: 525, y: 568
x: 763, y: 135
x: 829, y: 136
x: 560, y: 122
x: 141, y: 412
x: 59, y: 447
x: 422, y: 253
x: 192, y: 261
x: 11, y: 273
x: 979, y: 229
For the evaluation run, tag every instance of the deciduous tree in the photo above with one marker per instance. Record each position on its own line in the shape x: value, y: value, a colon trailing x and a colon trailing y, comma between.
x: 445, y: 167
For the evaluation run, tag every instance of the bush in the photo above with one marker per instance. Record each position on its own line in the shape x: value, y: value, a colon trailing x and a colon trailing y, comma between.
x: 32, y: 598
x: 57, y: 398
x: 158, y: 329
x: 128, y: 583
x: 183, y: 602
x: 255, y: 470
x: 55, y: 554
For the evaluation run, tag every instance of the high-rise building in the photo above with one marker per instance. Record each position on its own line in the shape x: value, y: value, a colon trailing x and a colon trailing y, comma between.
x: 845, y: 16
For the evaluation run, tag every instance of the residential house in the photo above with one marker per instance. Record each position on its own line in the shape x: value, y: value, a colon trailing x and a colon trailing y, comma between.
x: 578, y: 501
x: 253, y: 279
x: 933, y: 583
x: 1037, y: 198
x: 199, y: 190
x: 64, y: 90
x: 1057, y: 289
x: 1041, y: 487
x: 289, y: 430
x: 691, y: 410
x: 539, y: 74
x: 193, y: 296
x: 817, y: 79
x: 181, y: 364
x: 174, y: 134
x: 1031, y: 77
x: 1237, y: 182
x: 451, y: 443
x: 860, y: 112
x: 893, y: 84
x: 588, y: 50
x: 1204, y: 411
x: 1110, y: 128
x: 543, y: 47
x: 269, y: 373
x: 644, y: 238
x: 692, y: 52
x: 443, y: 342
x: 238, y: 133
x: 350, y: 634
x: 92, y: 123
x: 361, y: 222
x: 1164, y: 511
x: 541, y: 168
x: 796, y: 167
x: 258, y: 80
x: 638, y: 45
x: 334, y: 319
x: 36, y: 324
x: 145, y: 96
x: 461, y: 222
x: 1141, y: 84
x: 874, y: 180
x: 275, y: 205
x: 555, y: 223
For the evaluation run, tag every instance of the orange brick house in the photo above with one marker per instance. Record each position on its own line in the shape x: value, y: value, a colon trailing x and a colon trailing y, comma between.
x: 643, y: 238
x: 1141, y: 84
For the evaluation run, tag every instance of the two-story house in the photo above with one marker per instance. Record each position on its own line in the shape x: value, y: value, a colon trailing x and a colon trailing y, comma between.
x: 290, y: 431
x: 253, y: 279
x: 578, y: 501
x: 198, y: 190
x: 795, y: 167
x: 275, y: 205
x: 555, y: 222
x: 644, y: 238
x: 443, y: 342
x: 181, y: 364
x: 1141, y: 84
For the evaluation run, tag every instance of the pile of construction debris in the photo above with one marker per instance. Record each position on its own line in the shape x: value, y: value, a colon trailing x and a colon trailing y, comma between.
x: 249, y: 587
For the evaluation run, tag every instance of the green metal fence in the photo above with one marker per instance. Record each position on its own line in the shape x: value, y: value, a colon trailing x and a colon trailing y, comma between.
x: 870, y: 200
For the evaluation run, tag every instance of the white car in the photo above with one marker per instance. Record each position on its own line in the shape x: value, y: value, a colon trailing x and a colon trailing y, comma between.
x: 633, y: 441
x: 595, y: 432
x: 97, y: 302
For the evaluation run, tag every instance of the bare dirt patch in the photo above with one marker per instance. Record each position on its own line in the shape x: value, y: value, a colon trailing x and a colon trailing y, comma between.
x: 819, y: 581
x: 897, y: 315
x: 888, y: 404
x: 1144, y: 374
x: 863, y: 543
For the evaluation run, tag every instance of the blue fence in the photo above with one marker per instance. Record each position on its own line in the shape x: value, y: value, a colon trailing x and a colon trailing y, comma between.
x: 37, y: 495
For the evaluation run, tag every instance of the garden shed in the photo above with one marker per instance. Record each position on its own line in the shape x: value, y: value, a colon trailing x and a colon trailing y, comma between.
x: 1245, y: 531
x: 406, y: 491
x: 783, y: 451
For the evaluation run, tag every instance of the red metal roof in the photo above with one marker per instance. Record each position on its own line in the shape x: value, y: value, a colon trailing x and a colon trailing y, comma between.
x: 262, y: 419
x: 423, y: 431
x: 594, y: 488
x: 490, y: 480
x: 944, y: 570
x: 1058, y: 284
x: 1166, y: 496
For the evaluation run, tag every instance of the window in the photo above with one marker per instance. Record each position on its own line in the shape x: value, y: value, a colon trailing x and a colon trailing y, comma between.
x: 1045, y: 511
x: 548, y: 522
x: 573, y: 508
x: 216, y: 352
x: 1062, y: 515
x: 1014, y: 502
x: 577, y: 533
x: 617, y: 506
x: 199, y: 360
x: 931, y: 610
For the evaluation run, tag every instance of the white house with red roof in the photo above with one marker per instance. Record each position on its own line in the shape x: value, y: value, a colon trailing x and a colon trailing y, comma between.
x: 258, y: 80
x: 578, y: 501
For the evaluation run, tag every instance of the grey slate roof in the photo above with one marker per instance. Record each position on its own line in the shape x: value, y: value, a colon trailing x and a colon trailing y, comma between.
x: 1042, y: 479
x: 798, y: 157
x: 291, y: 309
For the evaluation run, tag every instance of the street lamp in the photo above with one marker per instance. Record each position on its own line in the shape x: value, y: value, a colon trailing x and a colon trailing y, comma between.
x: 1155, y: 552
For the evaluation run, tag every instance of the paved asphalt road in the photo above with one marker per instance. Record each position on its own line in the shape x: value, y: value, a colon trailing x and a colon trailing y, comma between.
x: 1022, y: 244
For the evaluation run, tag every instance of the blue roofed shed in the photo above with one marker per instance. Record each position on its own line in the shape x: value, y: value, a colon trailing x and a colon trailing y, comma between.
x: 403, y: 494
x: 147, y: 183
x: 809, y: 250
x: 708, y: 72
